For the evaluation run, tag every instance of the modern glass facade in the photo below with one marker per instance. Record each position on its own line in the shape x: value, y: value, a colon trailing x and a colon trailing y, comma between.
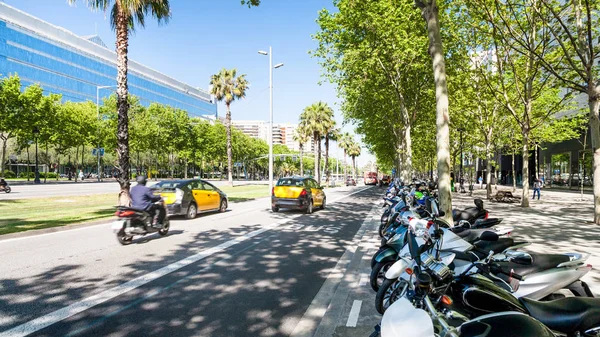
x: 64, y: 63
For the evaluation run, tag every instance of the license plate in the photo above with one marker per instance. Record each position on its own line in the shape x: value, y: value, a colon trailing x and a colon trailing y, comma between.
x: 117, y: 225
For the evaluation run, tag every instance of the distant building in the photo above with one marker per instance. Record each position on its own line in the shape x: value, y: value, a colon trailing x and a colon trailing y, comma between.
x: 282, y: 133
x: 75, y: 66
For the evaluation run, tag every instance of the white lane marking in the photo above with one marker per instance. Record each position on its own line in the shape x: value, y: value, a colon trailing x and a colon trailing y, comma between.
x: 87, y: 303
x: 354, y: 312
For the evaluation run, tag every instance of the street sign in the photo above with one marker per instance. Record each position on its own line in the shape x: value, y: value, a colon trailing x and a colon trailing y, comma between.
x: 95, y: 152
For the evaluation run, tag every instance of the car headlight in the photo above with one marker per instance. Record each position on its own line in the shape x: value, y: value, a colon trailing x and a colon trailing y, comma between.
x: 178, y: 195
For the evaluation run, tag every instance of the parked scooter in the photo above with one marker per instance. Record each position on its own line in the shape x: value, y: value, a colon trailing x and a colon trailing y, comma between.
x: 479, y: 290
x: 133, y: 222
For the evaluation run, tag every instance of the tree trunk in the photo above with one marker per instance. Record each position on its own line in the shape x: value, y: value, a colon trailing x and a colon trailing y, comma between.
x: 408, y: 152
x: 122, y: 43
x: 488, y: 172
x: 535, y: 161
x: 317, y: 140
x: 57, y: 165
x: 354, y: 168
x: 429, y: 11
x: 185, y: 174
x: 301, y: 160
x: 76, y: 159
x: 326, y: 159
x: 525, y: 194
x: 345, y: 167
x: 28, y: 168
x: 4, y: 141
x: 582, y: 176
x: 47, y: 163
x: 594, y: 104
x: 514, y: 177
x: 229, y: 147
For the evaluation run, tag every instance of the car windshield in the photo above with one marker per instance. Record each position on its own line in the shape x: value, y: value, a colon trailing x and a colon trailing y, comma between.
x: 166, y: 185
x: 290, y: 182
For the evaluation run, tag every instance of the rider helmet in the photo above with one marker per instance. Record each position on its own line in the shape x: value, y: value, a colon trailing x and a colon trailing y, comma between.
x: 141, y: 180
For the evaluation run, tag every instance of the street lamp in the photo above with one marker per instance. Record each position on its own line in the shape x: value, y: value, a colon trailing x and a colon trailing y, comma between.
x: 36, y: 133
x: 98, y: 117
x: 271, y: 67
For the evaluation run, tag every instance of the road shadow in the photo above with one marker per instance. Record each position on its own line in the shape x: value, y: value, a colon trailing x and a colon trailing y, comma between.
x: 258, y: 287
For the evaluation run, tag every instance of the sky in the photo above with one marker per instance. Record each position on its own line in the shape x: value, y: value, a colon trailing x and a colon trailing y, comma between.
x: 204, y: 36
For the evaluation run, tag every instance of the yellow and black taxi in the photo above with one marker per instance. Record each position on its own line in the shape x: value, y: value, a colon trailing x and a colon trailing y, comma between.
x: 190, y: 197
x: 297, y: 193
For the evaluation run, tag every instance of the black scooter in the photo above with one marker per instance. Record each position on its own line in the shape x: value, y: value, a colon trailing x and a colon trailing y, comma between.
x: 133, y: 221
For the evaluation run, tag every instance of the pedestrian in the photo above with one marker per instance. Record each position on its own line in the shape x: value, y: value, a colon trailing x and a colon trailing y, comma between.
x: 80, y: 174
x: 480, y: 182
x: 537, y: 185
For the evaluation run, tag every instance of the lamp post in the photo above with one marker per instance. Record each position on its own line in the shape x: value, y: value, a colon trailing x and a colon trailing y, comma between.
x: 98, y: 117
x: 36, y: 133
x: 270, y: 134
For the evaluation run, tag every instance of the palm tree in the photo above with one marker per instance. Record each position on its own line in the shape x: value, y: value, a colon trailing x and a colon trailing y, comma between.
x: 124, y: 15
x: 302, y: 137
x: 344, y: 142
x: 312, y: 120
x: 330, y: 133
x: 227, y: 86
x: 353, y: 152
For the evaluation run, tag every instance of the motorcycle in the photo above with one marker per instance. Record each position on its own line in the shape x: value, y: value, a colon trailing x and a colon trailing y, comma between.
x: 478, y: 294
x: 133, y: 222
x: 422, y: 319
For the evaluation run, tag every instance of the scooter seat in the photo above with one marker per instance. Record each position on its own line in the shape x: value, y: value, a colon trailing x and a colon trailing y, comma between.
x: 567, y: 315
x: 465, y: 214
x: 540, y: 262
x: 496, y: 246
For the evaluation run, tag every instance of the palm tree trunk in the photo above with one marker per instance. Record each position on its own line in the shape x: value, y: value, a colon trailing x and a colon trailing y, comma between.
x: 229, y: 147
x: 317, y: 140
x: 326, y: 160
x: 301, y: 161
x: 122, y: 43
x: 345, y: 166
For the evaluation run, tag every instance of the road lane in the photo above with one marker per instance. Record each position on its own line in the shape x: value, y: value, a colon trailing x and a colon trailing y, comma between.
x: 65, y: 189
x: 54, y: 271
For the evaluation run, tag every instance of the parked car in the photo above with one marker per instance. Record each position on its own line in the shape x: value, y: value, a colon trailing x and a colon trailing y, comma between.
x: 190, y: 197
x: 350, y: 182
x: 385, y: 180
x: 297, y: 193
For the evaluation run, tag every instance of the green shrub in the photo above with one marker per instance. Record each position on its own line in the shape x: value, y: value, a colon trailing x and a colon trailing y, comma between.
x: 9, y: 174
x: 24, y: 175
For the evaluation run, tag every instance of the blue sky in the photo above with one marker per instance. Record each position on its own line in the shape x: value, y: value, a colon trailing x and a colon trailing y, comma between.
x: 204, y: 36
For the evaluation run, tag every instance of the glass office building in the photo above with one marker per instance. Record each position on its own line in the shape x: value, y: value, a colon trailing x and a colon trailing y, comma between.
x: 74, y: 66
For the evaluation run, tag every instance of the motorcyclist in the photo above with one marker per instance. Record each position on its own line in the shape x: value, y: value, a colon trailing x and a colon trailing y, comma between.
x: 142, y: 198
x: 3, y: 183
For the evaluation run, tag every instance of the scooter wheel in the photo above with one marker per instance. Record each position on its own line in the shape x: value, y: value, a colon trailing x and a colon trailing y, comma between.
x: 7, y: 189
x: 124, y: 239
x: 165, y: 230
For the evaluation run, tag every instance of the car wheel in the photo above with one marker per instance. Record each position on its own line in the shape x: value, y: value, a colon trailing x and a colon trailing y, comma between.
x: 223, y: 206
x: 309, y: 207
x: 275, y: 209
x: 323, y: 204
x: 192, y: 211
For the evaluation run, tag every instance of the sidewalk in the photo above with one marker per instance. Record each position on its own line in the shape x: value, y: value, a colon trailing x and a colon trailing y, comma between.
x: 559, y: 222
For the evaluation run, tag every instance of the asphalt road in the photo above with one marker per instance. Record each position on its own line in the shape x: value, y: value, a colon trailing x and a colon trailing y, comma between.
x: 246, y: 272
x: 81, y: 188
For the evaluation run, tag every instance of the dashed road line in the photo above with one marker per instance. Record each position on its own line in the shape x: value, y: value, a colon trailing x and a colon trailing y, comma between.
x: 354, y: 312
